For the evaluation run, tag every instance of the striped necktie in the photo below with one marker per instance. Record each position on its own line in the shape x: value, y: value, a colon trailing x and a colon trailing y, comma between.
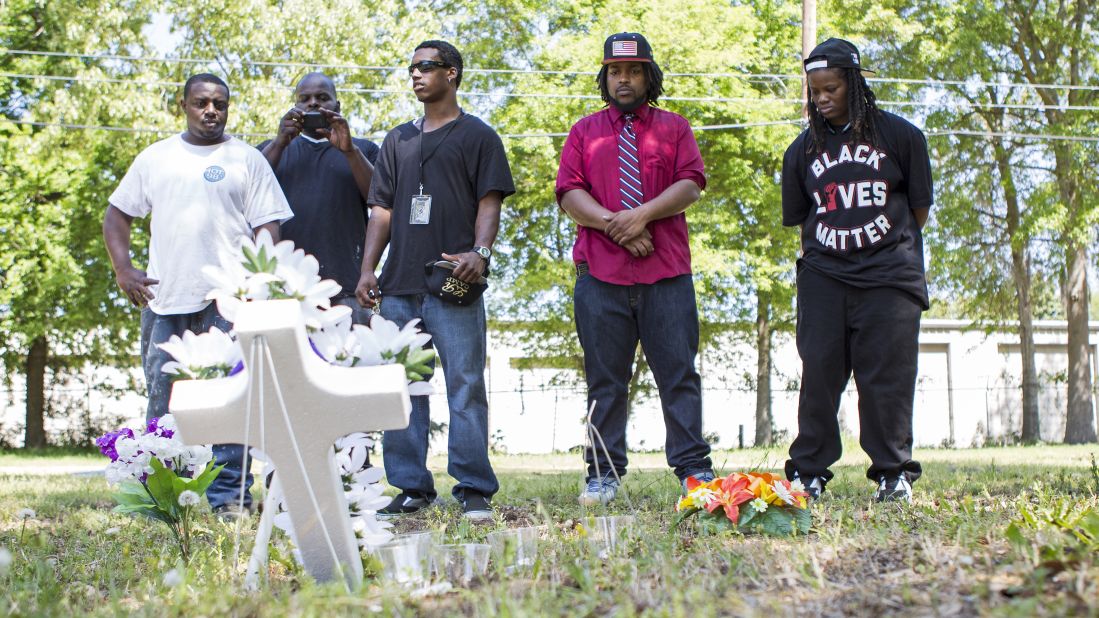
x: 629, y: 172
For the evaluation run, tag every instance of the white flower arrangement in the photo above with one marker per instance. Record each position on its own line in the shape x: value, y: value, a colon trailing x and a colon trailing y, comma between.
x: 131, y: 452
x: 271, y: 271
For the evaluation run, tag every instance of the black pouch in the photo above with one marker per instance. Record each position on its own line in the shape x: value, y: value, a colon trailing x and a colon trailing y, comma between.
x: 442, y: 283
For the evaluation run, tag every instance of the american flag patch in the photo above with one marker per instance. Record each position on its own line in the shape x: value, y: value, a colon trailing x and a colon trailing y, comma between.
x: 624, y: 48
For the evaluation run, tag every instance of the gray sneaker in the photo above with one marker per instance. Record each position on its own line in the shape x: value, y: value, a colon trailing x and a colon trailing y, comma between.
x: 599, y: 491
x: 232, y: 512
x: 703, y: 476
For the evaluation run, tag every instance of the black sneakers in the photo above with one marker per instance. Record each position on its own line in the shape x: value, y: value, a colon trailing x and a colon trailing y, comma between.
x: 475, y: 506
x: 404, y: 504
x: 893, y: 489
x: 814, y: 485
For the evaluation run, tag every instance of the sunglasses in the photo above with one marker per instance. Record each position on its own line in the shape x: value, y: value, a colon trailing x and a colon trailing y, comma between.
x: 427, y: 66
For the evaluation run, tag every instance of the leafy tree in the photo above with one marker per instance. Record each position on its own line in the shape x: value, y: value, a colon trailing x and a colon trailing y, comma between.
x: 59, y: 305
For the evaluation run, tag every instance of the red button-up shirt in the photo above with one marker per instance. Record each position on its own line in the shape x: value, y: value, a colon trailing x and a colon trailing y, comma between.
x: 668, y: 153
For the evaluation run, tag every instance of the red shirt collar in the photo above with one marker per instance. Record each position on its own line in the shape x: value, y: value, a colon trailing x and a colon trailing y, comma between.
x: 616, y: 114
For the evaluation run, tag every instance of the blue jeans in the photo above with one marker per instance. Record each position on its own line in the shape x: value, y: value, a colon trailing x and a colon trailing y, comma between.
x: 359, y: 314
x: 458, y: 335
x: 610, y: 321
x: 155, y: 329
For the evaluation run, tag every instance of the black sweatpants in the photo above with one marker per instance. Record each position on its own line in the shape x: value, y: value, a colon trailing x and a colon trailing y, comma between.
x: 873, y: 333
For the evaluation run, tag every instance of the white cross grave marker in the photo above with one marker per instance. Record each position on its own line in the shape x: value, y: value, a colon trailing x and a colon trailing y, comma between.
x: 293, y: 405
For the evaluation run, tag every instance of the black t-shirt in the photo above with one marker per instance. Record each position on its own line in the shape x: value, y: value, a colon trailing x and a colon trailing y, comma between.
x: 463, y: 161
x: 329, y: 212
x: 855, y: 201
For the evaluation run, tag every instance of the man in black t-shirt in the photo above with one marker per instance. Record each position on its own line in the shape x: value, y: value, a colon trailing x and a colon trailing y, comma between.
x: 325, y: 174
x: 858, y: 182
x: 436, y: 195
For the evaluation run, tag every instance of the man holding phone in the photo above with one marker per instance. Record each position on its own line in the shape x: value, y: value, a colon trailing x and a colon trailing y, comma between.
x: 326, y: 176
x: 440, y: 184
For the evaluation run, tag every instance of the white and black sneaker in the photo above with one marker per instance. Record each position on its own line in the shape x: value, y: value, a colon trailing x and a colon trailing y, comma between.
x: 814, y: 485
x: 404, y: 504
x: 894, y: 489
x: 476, y: 507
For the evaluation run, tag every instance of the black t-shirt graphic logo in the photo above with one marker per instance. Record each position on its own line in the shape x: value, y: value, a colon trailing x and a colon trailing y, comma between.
x: 854, y: 204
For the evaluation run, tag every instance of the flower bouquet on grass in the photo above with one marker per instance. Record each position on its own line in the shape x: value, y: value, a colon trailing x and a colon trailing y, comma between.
x: 158, y: 476
x: 747, y: 502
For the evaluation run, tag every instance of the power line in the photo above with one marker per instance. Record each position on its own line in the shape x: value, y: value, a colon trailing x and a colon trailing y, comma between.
x: 714, y: 127
x: 1014, y: 136
x: 765, y: 76
x: 551, y: 95
x: 90, y: 127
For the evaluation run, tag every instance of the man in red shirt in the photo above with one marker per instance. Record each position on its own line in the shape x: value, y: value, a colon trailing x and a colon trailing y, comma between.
x: 627, y: 174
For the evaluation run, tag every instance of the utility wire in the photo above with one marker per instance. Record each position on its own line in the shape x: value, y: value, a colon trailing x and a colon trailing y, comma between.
x: 767, y: 76
x: 715, y: 127
x: 550, y: 95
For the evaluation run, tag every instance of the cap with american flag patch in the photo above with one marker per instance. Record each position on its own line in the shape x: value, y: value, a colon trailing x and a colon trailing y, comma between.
x: 626, y: 47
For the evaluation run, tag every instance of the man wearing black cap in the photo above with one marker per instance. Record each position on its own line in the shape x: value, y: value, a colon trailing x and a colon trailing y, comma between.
x: 858, y: 182
x: 627, y: 175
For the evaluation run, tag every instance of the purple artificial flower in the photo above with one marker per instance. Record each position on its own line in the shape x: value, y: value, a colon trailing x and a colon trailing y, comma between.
x: 154, y: 428
x: 106, y: 442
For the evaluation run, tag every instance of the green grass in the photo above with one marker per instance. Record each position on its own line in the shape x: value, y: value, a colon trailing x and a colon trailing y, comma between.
x: 946, y: 554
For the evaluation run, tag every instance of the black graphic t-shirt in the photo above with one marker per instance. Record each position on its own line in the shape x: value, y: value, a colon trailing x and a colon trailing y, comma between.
x: 855, y: 201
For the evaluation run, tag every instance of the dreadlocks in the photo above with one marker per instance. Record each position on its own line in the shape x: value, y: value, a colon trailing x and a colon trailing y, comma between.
x: 654, y: 78
x: 862, y: 110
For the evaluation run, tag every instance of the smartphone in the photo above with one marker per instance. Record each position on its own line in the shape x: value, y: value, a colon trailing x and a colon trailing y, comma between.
x: 314, y: 120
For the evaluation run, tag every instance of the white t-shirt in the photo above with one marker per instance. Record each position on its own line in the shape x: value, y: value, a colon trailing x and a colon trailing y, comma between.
x: 206, y: 200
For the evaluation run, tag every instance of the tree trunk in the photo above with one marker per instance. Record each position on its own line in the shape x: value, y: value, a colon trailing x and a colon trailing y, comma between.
x: 1080, y: 417
x: 764, y: 421
x: 639, y: 367
x: 35, y: 371
x: 1020, y: 271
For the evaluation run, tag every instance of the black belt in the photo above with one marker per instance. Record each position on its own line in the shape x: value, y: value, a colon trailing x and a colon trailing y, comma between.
x: 581, y: 269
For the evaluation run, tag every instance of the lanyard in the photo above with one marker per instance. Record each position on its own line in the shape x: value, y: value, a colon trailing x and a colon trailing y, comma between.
x: 436, y: 148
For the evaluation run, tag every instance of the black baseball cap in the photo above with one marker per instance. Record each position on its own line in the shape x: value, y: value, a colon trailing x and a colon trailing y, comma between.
x: 626, y: 47
x: 834, y: 54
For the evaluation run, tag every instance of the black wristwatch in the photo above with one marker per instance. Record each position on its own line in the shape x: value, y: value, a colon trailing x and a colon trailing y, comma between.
x: 484, y: 252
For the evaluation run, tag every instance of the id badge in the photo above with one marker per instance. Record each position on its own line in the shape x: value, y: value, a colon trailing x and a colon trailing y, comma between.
x: 421, y: 210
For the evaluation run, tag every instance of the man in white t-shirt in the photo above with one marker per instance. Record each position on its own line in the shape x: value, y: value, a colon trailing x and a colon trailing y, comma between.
x: 207, y: 191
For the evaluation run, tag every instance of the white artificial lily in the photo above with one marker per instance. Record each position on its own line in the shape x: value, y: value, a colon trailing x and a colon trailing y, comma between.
x: 384, y: 340
x: 783, y: 493
x: 199, y: 356
x: 334, y: 341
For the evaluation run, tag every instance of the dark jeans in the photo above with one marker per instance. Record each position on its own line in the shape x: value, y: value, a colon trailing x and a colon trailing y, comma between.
x: 874, y: 334
x: 459, y: 336
x: 156, y: 328
x: 610, y: 321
